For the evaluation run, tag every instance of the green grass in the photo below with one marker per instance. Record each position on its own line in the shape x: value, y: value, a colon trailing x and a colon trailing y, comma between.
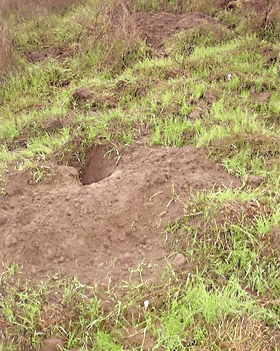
x: 195, y: 313
x: 220, y: 94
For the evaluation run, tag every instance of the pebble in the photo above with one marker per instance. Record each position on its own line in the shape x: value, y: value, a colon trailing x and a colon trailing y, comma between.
x: 61, y: 259
x: 10, y: 240
x: 179, y: 260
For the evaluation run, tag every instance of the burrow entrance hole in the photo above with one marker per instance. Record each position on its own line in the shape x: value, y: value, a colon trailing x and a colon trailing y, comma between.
x: 101, y: 162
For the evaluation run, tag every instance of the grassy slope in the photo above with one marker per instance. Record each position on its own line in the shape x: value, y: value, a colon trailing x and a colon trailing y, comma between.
x: 230, y: 301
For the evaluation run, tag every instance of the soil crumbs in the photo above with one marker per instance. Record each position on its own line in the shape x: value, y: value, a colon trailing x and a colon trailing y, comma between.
x: 99, y: 222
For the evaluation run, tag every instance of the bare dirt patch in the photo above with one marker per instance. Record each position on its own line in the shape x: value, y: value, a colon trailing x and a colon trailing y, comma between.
x: 155, y: 28
x: 49, y: 53
x: 100, y: 223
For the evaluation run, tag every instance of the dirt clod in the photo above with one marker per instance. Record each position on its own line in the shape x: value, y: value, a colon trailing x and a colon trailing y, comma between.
x: 52, y: 344
x: 81, y: 94
x: 179, y: 261
x: 254, y: 181
x: 52, y: 124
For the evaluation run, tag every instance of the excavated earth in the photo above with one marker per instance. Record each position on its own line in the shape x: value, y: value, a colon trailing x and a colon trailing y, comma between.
x: 104, y: 221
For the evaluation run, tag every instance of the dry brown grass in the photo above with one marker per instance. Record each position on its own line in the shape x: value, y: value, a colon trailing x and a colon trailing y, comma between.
x: 119, y: 35
x: 21, y: 10
x: 7, y: 58
x: 178, y: 6
x: 28, y: 8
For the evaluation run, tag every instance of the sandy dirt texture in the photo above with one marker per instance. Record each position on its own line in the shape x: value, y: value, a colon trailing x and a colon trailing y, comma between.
x: 100, y: 223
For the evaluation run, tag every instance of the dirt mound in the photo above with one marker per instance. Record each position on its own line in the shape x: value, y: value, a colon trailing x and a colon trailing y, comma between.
x: 99, y: 223
x: 155, y: 28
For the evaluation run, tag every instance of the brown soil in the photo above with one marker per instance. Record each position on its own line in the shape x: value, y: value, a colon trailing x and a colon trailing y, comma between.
x: 156, y: 28
x: 49, y: 53
x: 107, y: 219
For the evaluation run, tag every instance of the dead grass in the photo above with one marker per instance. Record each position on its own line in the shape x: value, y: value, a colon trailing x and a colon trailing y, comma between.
x: 28, y: 8
x: 241, y: 335
x: 23, y: 10
x: 7, y: 59
x: 121, y: 40
x: 177, y: 6
x: 260, y: 145
x: 110, y: 34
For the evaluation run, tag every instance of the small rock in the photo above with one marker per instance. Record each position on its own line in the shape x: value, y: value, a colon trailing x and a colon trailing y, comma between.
x: 61, y: 259
x: 179, y: 261
x: 3, y: 221
x: 52, y: 344
x: 10, y: 240
x: 68, y: 171
x: 254, y: 181
x: 126, y: 255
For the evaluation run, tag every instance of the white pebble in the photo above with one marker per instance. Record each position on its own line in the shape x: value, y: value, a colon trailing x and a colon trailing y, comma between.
x: 146, y: 304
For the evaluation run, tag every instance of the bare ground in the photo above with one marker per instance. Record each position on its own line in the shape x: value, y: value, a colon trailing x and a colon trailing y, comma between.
x: 109, y: 219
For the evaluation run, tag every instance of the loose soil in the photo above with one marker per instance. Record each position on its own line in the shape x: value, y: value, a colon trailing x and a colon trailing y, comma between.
x: 103, y: 220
